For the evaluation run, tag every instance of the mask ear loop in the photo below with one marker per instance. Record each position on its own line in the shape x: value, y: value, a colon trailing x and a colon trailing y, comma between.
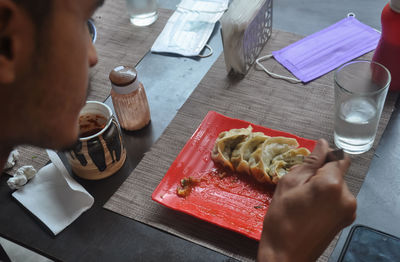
x: 289, y: 79
x: 209, y: 54
x: 351, y: 14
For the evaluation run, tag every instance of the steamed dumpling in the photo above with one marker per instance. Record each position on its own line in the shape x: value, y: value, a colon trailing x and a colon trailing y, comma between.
x: 257, y: 167
x: 226, y: 143
x: 261, y: 159
x: 265, y: 158
x: 243, y: 150
x: 282, y: 164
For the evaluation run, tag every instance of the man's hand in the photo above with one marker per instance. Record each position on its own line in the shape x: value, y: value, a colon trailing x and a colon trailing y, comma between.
x: 310, y: 206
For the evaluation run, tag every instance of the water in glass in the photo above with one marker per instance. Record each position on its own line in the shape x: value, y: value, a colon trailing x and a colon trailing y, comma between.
x: 142, y: 12
x: 356, y: 124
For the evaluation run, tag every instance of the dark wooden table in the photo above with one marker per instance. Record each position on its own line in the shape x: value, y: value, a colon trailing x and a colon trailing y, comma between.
x: 101, y: 235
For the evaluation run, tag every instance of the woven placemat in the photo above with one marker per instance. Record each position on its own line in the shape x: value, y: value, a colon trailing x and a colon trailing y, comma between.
x: 304, y: 110
x: 29, y: 155
x: 118, y: 43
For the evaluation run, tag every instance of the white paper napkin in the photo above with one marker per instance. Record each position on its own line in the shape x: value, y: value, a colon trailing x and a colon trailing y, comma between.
x: 54, y: 196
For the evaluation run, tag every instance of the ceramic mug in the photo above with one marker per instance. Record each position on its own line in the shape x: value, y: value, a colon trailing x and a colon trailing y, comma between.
x: 99, y: 153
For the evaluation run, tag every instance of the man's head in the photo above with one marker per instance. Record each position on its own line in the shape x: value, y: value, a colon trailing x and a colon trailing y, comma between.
x: 45, y: 53
x: 38, y: 10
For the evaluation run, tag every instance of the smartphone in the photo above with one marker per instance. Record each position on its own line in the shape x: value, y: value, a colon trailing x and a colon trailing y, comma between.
x: 365, y: 244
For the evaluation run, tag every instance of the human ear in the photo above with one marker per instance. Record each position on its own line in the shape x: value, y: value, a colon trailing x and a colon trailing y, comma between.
x: 15, y: 34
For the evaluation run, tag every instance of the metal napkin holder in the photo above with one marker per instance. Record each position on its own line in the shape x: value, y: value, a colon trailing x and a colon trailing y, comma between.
x: 251, y: 41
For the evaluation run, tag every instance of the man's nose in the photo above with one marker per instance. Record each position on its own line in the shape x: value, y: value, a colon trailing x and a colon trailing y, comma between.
x: 92, y: 56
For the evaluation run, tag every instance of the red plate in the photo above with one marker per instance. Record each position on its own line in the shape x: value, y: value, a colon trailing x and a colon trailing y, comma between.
x: 234, y: 201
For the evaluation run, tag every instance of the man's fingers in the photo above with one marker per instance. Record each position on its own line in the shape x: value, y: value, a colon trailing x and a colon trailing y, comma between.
x: 318, y: 156
x: 302, y: 173
x: 343, y: 165
x: 330, y: 176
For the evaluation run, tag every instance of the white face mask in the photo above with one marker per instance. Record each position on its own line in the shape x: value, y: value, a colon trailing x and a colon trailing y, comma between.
x: 189, y: 28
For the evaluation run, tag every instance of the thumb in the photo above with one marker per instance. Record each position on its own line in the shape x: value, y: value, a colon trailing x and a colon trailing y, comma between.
x: 313, y: 162
x: 318, y: 156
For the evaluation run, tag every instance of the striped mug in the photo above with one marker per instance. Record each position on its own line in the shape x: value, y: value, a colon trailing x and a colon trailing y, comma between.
x: 99, y: 153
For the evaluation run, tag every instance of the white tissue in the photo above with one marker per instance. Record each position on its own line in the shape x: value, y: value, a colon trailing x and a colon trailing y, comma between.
x: 12, y: 159
x: 16, y: 182
x: 234, y: 26
x: 21, y: 177
x: 53, y: 196
x: 27, y: 171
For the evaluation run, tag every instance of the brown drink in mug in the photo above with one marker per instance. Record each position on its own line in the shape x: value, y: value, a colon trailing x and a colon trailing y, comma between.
x: 99, y: 152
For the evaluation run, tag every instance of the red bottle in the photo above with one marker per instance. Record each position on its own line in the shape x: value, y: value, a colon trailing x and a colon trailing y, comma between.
x: 388, y: 49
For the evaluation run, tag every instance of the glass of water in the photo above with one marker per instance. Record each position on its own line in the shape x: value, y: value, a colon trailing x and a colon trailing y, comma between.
x: 142, y: 12
x: 360, y: 93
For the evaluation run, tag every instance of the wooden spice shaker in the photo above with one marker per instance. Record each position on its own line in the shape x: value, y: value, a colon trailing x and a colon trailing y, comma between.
x: 129, y: 98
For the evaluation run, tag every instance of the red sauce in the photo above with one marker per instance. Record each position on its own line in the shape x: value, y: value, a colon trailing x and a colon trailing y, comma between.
x: 91, y: 124
x: 186, y: 186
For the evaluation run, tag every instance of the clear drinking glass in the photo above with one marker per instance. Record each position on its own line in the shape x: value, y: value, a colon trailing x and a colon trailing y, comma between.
x: 142, y: 12
x: 360, y: 93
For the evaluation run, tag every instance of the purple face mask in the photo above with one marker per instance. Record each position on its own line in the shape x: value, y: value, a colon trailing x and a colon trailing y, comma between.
x: 321, y: 52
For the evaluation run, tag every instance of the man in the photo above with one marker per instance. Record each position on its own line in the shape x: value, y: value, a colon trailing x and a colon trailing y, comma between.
x: 45, y: 53
x: 44, y: 61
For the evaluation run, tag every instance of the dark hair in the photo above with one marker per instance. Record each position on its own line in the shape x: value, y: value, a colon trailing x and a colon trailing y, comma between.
x: 38, y: 10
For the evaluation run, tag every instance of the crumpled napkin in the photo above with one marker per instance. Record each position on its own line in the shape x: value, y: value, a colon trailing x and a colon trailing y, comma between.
x: 12, y: 159
x: 53, y: 196
x: 21, y: 177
